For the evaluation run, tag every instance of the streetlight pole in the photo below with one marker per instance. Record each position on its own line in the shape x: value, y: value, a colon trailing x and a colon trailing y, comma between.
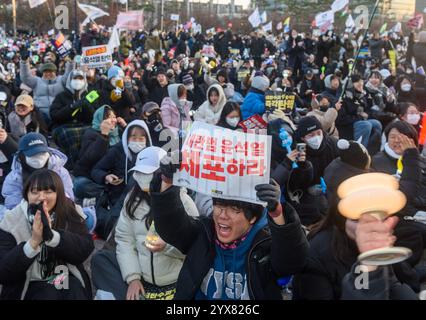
x: 14, y: 17
x: 76, y: 29
x: 162, y: 15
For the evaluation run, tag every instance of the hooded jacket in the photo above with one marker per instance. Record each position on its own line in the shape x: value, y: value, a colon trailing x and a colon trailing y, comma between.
x: 61, y: 111
x: 17, y: 268
x: 44, y: 91
x: 135, y: 260
x: 119, y: 160
x: 169, y: 109
x: 13, y: 184
x: 254, y: 103
x: 208, y: 113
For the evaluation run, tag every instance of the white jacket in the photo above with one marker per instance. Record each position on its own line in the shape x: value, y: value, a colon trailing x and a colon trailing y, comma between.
x: 206, y: 112
x: 133, y: 256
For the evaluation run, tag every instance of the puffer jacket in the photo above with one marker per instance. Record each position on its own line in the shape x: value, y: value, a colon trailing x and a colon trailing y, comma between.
x: 254, y: 103
x: 13, y: 184
x: 17, y: 269
x: 208, y: 113
x: 170, y: 112
x: 135, y: 260
x: 44, y: 91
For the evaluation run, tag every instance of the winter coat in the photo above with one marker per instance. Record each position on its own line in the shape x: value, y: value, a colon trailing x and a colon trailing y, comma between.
x: 7, y: 151
x: 349, y: 114
x: 170, y: 112
x: 327, y: 120
x: 18, y: 260
x: 419, y: 51
x: 254, y: 103
x: 156, y: 92
x: 275, y: 252
x: 208, y: 113
x: 122, y: 106
x: 135, y: 260
x: 376, y: 47
x: 32, y: 122
x: 44, y: 91
x: 14, y: 184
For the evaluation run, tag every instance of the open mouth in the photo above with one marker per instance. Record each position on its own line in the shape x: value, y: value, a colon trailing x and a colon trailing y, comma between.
x: 223, y: 230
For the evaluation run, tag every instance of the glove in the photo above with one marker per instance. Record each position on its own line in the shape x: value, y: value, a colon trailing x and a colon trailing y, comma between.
x: 115, y: 95
x: 78, y: 104
x: 270, y: 193
x: 169, y: 165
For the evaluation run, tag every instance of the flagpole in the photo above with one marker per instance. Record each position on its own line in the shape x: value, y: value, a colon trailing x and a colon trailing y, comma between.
x: 50, y: 13
x: 76, y: 28
x: 14, y: 17
x: 351, y: 71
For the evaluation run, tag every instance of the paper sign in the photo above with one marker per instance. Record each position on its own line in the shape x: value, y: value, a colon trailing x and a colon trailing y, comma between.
x: 224, y: 163
x: 254, y: 122
x: 96, y: 56
x: 242, y: 74
x: 208, y: 51
x: 62, y: 47
x: 174, y: 17
x: 279, y: 100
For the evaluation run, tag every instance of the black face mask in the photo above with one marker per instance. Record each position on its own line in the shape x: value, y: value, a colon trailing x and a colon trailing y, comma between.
x: 155, y: 122
x: 324, y: 108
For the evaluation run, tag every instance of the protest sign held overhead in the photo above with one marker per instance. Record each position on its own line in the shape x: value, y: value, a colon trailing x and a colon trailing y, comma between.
x: 96, y: 56
x: 130, y: 20
x: 279, y: 100
x: 224, y: 163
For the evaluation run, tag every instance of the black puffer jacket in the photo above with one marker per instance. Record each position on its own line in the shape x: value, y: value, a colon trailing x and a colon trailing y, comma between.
x: 275, y: 252
x: 349, y: 114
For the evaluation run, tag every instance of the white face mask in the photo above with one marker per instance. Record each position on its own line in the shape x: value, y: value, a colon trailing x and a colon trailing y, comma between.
x: 143, y: 180
x: 136, y: 147
x: 413, y: 119
x: 315, y: 142
x: 77, y: 84
x: 38, y: 161
x: 406, y: 87
x: 233, y: 122
x: 182, y: 102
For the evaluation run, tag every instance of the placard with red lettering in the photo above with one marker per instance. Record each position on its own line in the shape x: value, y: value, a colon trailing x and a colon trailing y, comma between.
x: 224, y: 163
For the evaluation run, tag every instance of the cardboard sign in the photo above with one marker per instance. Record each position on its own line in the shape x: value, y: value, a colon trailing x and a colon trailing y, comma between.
x: 96, y: 56
x: 279, y: 100
x: 224, y: 163
x: 253, y: 123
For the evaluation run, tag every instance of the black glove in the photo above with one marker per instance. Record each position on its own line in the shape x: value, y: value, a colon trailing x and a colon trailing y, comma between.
x: 270, y: 193
x: 170, y: 164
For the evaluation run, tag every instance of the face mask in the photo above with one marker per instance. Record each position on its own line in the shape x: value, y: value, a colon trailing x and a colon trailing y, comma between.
x: 409, y: 71
x: 413, y: 119
x: 324, y: 108
x: 315, y: 142
x: 143, y: 180
x: 38, y: 161
x: 182, y: 102
x: 233, y: 122
x: 136, y: 147
x: 77, y: 84
x: 406, y: 87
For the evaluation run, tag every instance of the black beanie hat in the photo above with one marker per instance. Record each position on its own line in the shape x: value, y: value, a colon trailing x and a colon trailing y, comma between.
x: 353, y: 153
x: 307, y: 125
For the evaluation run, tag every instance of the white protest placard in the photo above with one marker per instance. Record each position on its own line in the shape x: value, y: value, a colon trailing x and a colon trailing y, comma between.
x: 255, y: 18
x: 324, y: 17
x: 339, y: 5
x: 96, y: 56
x: 174, y: 17
x: 224, y: 163
x: 208, y: 51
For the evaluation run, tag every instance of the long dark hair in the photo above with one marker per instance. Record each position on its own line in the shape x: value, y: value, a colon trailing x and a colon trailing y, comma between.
x: 136, y: 196
x: 227, y: 109
x: 65, y: 211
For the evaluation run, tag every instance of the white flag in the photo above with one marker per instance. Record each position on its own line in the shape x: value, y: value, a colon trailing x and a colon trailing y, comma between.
x: 91, y: 12
x: 122, y: 1
x: 255, y: 19
x: 114, y: 40
x: 174, y: 17
x: 350, y: 23
x: 267, y: 27
x: 397, y: 28
x: 324, y: 18
x: 35, y: 3
x: 264, y: 17
x: 339, y: 5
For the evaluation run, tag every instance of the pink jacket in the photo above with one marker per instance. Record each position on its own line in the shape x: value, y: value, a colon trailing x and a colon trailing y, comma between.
x: 170, y: 113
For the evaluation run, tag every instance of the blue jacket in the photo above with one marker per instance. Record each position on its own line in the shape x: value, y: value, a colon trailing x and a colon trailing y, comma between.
x: 254, y: 103
x: 13, y: 184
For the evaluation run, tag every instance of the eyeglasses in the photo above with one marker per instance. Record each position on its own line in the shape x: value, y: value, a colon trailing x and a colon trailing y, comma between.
x: 230, y: 211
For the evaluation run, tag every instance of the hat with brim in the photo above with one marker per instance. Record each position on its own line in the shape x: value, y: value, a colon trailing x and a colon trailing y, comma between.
x: 48, y: 67
x: 148, y: 160
x: 33, y: 143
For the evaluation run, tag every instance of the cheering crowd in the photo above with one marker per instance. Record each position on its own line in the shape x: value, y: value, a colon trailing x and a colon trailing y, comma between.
x: 86, y: 154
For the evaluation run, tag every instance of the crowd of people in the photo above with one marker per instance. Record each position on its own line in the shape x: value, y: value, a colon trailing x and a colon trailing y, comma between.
x: 85, y: 155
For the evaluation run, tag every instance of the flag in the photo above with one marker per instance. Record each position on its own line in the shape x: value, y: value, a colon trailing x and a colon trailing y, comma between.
x: 255, y: 19
x: 264, y: 17
x: 350, y: 23
x: 416, y: 21
x: 35, y: 3
x: 287, y: 21
x: 325, y: 27
x: 114, y: 40
x: 91, y: 12
x: 267, y: 27
x: 383, y: 28
x: 324, y: 18
x: 339, y: 5
x: 396, y: 28
x: 130, y: 20
x: 279, y: 26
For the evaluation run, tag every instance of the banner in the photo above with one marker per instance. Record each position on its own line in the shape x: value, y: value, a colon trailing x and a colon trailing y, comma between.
x: 91, y: 12
x: 280, y: 100
x: 224, y: 163
x: 96, y: 56
x: 174, y: 17
x: 339, y: 5
x: 35, y: 3
x: 323, y: 18
x: 255, y: 19
x: 130, y: 20
x: 416, y: 22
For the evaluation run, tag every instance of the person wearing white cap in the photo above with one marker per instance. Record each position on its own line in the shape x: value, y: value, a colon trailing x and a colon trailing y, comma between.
x: 143, y: 264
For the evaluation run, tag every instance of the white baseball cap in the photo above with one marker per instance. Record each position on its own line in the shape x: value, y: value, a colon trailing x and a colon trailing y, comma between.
x: 148, y: 160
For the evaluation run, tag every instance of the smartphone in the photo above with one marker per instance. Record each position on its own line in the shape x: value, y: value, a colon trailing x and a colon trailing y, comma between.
x: 301, y: 147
